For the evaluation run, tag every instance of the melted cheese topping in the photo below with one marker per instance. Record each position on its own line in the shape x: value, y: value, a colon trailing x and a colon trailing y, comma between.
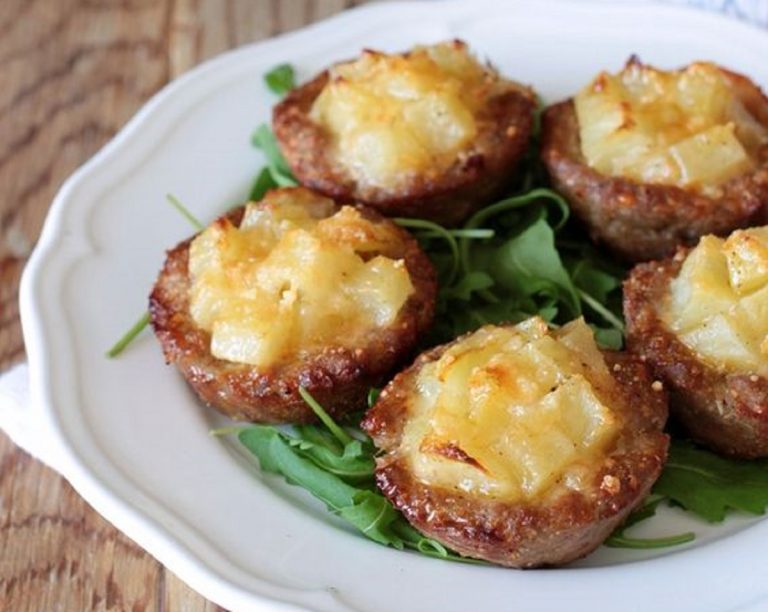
x: 684, y: 128
x: 718, y: 304
x: 296, y: 276
x: 392, y: 116
x: 509, y: 412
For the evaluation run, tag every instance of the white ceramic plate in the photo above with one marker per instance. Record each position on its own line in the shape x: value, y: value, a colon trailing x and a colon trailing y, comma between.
x: 133, y: 440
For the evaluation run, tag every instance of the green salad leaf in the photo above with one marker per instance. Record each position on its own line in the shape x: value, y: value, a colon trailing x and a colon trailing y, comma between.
x: 263, y: 139
x: 506, y: 263
x: 185, y: 212
x: 129, y: 336
x: 281, y: 79
x: 261, y: 185
x: 619, y: 539
x: 337, y: 467
x: 710, y: 486
x: 144, y: 320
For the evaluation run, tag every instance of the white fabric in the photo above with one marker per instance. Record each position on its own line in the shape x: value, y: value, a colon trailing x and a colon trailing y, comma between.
x: 17, y: 416
x: 21, y: 422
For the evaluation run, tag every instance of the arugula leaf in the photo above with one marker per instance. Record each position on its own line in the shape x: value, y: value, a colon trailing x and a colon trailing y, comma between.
x: 375, y: 517
x: 612, y: 339
x: 277, y: 455
x: 594, y: 281
x: 529, y: 264
x: 185, y: 212
x: 341, y: 435
x: 311, y: 460
x: 281, y: 79
x: 263, y: 138
x: 710, y: 486
x: 468, y: 285
x: 354, y: 463
x: 514, y: 267
x: 129, y: 336
x: 618, y: 539
x: 600, y: 309
x: 261, y: 185
x: 558, y: 208
x: 442, y: 233
x: 373, y: 395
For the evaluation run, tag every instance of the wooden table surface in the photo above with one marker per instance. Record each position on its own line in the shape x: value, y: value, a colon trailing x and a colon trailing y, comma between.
x: 72, y: 72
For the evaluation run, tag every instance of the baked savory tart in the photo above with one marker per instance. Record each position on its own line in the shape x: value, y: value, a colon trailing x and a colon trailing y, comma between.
x: 700, y: 319
x: 287, y: 292
x: 430, y: 133
x: 651, y: 159
x: 520, y: 445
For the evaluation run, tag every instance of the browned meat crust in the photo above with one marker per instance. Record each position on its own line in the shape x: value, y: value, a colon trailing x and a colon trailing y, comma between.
x: 642, y: 221
x: 725, y: 412
x: 476, y: 178
x: 562, y: 527
x: 339, y: 378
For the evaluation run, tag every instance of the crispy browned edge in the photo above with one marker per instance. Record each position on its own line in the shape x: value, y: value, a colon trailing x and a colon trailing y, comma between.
x: 478, y: 176
x: 638, y: 221
x: 339, y: 378
x: 522, y: 535
x: 725, y: 412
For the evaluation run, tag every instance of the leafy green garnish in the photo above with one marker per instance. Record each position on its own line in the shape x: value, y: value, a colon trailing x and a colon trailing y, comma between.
x: 342, y: 436
x: 709, y: 486
x: 263, y: 183
x: 618, y: 539
x: 434, y: 230
x: 139, y: 326
x: 176, y: 203
x: 373, y: 395
x: 337, y: 468
x: 704, y: 484
x: 129, y: 336
x: 263, y: 138
x: 506, y: 264
x: 604, y: 313
x: 281, y: 79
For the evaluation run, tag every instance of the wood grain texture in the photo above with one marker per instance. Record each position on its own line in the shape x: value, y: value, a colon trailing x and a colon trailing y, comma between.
x: 72, y: 72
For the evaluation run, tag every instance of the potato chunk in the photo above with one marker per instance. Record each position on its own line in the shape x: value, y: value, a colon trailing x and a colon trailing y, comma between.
x: 718, y: 303
x: 293, y: 277
x: 389, y: 116
x: 747, y: 255
x: 508, y: 411
x: 685, y: 128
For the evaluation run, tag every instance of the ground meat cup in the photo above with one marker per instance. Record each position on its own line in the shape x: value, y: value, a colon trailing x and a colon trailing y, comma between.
x: 726, y: 412
x: 339, y: 378
x: 565, y: 525
x: 477, y: 177
x: 638, y: 221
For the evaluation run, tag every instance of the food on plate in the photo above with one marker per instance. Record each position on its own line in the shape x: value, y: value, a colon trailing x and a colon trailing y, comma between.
x: 650, y: 159
x: 700, y: 319
x: 431, y: 133
x: 293, y: 291
x: 520, y: 445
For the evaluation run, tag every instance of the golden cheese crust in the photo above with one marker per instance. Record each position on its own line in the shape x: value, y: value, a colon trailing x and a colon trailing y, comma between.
x: 553, y: 530
x: 477, y: 177
x: 337, y: 377
x: 727, y: 412
x: 640, y: 221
